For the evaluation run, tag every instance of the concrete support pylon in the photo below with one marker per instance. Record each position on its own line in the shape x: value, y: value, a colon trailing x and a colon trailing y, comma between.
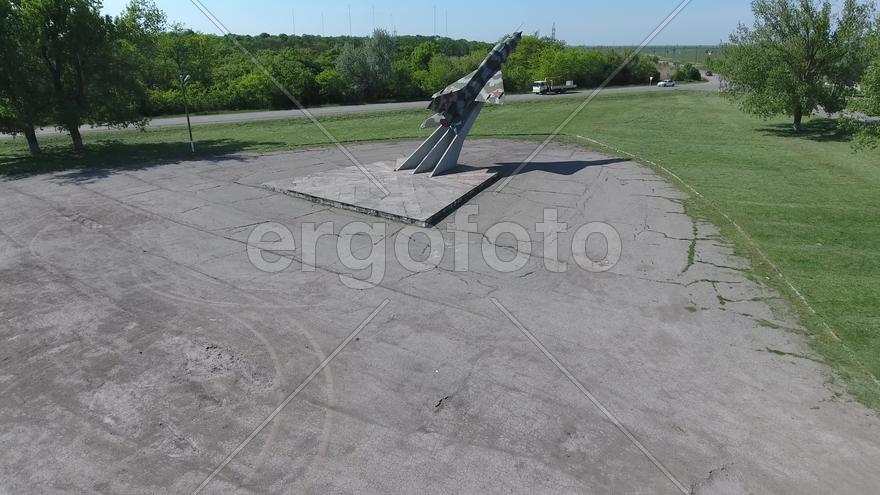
x: 440, y: 152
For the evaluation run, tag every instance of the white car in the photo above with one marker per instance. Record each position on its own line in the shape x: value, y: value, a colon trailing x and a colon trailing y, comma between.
x: 666, y: 83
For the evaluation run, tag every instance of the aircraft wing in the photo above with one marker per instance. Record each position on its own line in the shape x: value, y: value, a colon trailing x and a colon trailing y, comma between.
x: 435, y: 120
x: 457, y: 85
x: 451, y: 97
x: 493, y: 91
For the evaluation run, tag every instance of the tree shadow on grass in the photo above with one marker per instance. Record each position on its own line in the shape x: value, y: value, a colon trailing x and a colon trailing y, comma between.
x: 819, y: 130
x: 104, y: 158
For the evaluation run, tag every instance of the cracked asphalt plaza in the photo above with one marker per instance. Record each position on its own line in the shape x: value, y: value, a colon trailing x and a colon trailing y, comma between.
x: 140, y: 346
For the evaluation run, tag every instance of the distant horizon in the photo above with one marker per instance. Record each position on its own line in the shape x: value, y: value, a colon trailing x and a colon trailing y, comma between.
x: 653, y: 45
x: 625, y: 23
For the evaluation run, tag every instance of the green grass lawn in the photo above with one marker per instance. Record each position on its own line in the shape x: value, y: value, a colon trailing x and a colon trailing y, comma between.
x: 808, y: 201
x: 118, y: 148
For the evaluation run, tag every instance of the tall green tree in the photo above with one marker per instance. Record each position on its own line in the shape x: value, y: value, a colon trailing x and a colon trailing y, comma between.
x: 139, y: 29
x: 186, y: 52
x: 368, y: 68
x: 93, y: 79
x: 23, y: 90
x: 798, y: 56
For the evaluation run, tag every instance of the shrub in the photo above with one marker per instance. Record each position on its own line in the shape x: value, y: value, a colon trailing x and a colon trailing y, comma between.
x: 331, y: 86
x: 687, y: 72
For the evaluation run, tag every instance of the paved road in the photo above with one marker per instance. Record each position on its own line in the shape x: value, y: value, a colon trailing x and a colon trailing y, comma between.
x: 712, y: 85
x: 140, y: 346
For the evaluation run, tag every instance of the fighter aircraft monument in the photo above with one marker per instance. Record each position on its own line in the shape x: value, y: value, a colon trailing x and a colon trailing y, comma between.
x: 403, y: 189
x: 457, y: 107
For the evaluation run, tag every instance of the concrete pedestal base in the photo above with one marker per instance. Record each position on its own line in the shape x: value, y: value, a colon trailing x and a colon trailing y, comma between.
x: 414, y: 198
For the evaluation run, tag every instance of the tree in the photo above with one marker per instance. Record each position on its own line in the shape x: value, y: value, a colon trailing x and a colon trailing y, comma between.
x: 593, y: 68
x: 798, y: 56
x: 293, y: 75
x: 331, y: 85
x: 552, y: 62
x: 368, y: 68
x: 23, y: 93
x: 141, y: 23
x: 139, y: 29
x: 521, y: 67
x: 863, y: 111
x: 443, y: 70
x: 92, y: 76
x: 186, y: 52
x: 687, y: 72
x: 422, y: 54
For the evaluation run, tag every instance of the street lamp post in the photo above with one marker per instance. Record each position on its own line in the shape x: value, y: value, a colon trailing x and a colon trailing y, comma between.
x: 184, y: 82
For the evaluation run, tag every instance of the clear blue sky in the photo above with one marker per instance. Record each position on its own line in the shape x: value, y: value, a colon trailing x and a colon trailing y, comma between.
x: 590, y: 22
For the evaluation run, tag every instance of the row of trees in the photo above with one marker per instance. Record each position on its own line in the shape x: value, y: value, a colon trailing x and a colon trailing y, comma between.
x: 801, y: 56
x: 315, y: 69
x: 64, y: 64
x: 381, y: 67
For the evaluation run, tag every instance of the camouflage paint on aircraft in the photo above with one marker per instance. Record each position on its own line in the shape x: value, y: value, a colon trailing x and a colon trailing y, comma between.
x: 484, y: 85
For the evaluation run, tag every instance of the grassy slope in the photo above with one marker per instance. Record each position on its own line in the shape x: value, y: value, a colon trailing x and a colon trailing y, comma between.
x: 809, y: 202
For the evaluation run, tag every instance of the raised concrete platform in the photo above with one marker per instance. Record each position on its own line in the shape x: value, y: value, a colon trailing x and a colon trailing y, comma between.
x: 413, y: 198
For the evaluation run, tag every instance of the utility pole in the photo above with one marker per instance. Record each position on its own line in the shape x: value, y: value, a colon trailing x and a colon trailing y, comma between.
x: 349, y: 20
x: 322, y: 23
x: 374, y: 18
x: 435, y: 21
x: 293, y: 17
x: 184, y: 82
